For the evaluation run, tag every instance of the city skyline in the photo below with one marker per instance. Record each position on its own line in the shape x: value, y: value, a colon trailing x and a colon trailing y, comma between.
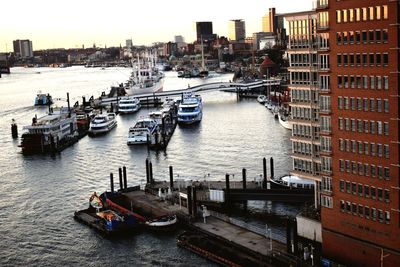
x: 85, y: 23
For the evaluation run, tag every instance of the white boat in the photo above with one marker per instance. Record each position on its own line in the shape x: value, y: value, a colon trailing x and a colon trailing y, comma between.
x: 190, y: 109
x: 162, y: 222
x: 145, y: 78
x: 49, y: 133
x: 284, y: 121
x: 43, y: 99
x: 262, y: 99
x: 128, y: 104
x: 292, y: 181
x: 142, y: 132
x: 102, y: 123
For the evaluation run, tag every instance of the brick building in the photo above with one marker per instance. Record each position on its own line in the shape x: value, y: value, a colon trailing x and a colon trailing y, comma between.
x: 360, y: 197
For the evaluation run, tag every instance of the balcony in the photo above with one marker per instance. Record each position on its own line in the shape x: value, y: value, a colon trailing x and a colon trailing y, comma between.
x: 321, y: 4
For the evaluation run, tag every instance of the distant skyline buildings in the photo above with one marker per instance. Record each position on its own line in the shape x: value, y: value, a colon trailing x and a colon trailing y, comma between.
x: 23, y: 48
x: 204, y: 29
x: 179, y: 39
x: 166, y: 21
x: 269, y: 21
x: 236, y: 30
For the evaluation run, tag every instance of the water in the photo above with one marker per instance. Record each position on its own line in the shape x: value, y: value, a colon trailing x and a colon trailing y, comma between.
x: 40, y: 193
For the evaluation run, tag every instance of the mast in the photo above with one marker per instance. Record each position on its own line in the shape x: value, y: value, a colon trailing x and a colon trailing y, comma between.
x: 138, y: 66
x: 202, y: 54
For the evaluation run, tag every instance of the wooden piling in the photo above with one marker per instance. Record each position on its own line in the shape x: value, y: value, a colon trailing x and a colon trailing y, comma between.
x: 171, y: 177
x: 288, y: 237
x: 147, y: 171
x: 244, y: 178
x: 271, y: 163
x: 194, y: 201
x: 14, y: 130
x: 125, y: 178
x: 111, y: 182
x: 264, y: 173
x: 295, y: 237
x: 189, y: 200
x: 227, y: 190
x: 151, y: 172
x: 121, y: 185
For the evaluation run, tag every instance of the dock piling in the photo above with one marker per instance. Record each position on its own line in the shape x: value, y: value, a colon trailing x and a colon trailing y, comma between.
x: 244, y: 178
x: 112, y: 182
x: 125, y: 178
x: 151, y: 172
x: 147, y: 171
x: 121, y: 185
x: 271, y: 163
x: 264, y: 184
x: 14, y: 130
x: 194, y: 201
x: 189, y: 200
x: 171, y: 177
x: 227, y: 190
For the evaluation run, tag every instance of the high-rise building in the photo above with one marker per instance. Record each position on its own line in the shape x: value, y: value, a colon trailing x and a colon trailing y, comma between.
x: 269, y: 21
x: 179, y: 39
x: 128, y: 43
x: 237, y: 30
x: 23, y: 48
x: 304, y: 90
x: 204, y: 29
x: 359, y: 44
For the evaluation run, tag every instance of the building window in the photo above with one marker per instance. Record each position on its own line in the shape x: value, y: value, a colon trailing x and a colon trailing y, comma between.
x: 326, y: 202
x: 387, y: 195
x: 386, y: 151
x: 387, y: 217
x: 371, y: 60
x: 378, y: 12
x: 378, y: 36
x: 360, y: 210
x: 385, y: 82
x: 373, y: 192
x: 366, y: 191
x: 386, y: 173
x: 342, y: 206
x: 385, y: 35
x: 366, y: 212
x: 385, y: 59
x: 385, y: 11
x: 373, y: 214
x: 348, y: 206
x: 366, y: 148
x: 341, y: 185
x: 348, y: 187
x: 372, y: 82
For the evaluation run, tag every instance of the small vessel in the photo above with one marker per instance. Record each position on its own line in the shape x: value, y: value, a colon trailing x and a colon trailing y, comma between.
x: 128, y: 104
x: 292, y: 182
x: 284, y: 121
x: 102, y: 123
x: 43, y: 99
x: 190, y: 109
x: 50, y: 133
x: 162, y: 221
x: 143, y: 131
x: 262, y: 99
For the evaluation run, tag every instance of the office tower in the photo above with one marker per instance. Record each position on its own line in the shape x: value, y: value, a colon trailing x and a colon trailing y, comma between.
x: 179, y: 39
x: 237, y: 30
x: 269, y: 21
x: 128, y: 43
x: 23, y: 48
x: 204, y: 30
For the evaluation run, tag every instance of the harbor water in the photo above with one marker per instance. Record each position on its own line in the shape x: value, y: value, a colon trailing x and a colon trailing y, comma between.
x: 39, y: 193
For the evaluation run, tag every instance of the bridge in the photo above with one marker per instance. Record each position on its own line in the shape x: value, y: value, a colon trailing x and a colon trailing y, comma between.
x: 216, y: 86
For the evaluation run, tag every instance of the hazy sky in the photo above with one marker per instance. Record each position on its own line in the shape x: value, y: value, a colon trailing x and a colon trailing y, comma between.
x: 73, y: 23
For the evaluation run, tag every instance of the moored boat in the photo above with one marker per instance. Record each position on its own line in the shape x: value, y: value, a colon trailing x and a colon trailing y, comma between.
x: 143, y: 131
x: 262, y: 99
x: 128, y: 104
x: 292, y: 182
x: 284, y: 121
x: 165, y: 221
x: 102, y: 123
x: 190, y: 109
x: 50, y: 133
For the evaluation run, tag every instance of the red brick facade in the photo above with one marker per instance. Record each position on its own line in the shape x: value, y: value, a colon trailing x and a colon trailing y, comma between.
x: 363, y: 227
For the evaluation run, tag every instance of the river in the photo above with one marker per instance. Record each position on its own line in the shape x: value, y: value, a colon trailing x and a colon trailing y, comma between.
x: 39, y: 193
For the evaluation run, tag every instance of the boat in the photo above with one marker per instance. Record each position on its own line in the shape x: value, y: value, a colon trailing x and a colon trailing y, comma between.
x: 102, y: 123
x: 43, y: 99
x: 145, y: 78
x: 190, y: 109
x: 50, y: 133
x: 128, y: 104
x: 262, y: 99
x: 95, y: 201
x: 284, y: 121
x: 292, y: 182
x: 143, y: 131
x: 165, y: 221
x: 112, y: 221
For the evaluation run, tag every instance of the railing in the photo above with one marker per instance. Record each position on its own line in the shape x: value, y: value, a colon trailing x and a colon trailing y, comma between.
x: 252, y: 228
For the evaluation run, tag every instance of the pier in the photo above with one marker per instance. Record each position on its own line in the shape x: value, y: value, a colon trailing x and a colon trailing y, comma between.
x: 211, y: 233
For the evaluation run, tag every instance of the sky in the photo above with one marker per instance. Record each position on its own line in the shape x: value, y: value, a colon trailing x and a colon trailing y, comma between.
x: 73, y: 23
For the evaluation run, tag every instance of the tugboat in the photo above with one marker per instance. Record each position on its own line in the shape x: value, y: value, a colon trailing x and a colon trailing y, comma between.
x: 43, y: 99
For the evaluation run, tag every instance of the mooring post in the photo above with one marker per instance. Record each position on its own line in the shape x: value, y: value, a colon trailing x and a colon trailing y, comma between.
x: 147, y: 171
x: 189, y: 200
x: 288, y: 237
x: 112, y: 182
x: 271, y: 162
x: 264, y: 184
x: 14, y: 130
x: 151, y: 172
x: 295, y: 238
x: 171, y: 177
x: 194, y: 202
x: 121, y: 185
x: 125, y: 178
x: 244, y: 178
x: 227, y: 190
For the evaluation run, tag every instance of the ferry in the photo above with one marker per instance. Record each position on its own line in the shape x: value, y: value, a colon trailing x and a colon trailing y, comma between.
x: 50, y: 133
x: 190, y: 109
x: 128, y: 104
x: 145, y: 78
x: 43, y: 99
x: 293, y: 182
x: 143, y: 131
x: 102, y: 123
